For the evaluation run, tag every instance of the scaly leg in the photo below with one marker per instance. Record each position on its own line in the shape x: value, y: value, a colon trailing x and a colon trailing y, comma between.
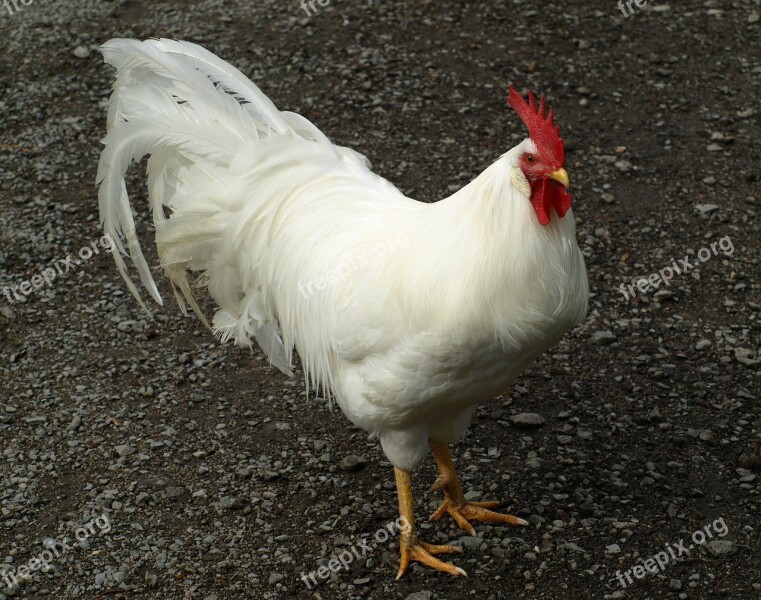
x: 411, y: 548
x: 454, y: 500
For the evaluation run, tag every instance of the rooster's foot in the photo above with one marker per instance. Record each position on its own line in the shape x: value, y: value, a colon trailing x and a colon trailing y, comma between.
x: 416, y: 550
x: 463, y: 512
x: 454, y: 503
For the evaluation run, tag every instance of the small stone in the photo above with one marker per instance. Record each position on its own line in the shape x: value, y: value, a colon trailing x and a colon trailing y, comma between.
x: 353, y: 463
x: 702, y: 344
x: 229, y: 503
x: 612, y: 549
x: 573, y: 547
x: 748, y: 461
x: 745, y: 356
x: 527, y: 420
x: 603, y: 338
x: 124, y: 450
x: 753, y: 17
x: 420, y: 596
x: 176, y: 491
x: 81, y: 52
x: 36, y: 419
x: 714, y: 147
x: 275, y: 577
x: 705, y: 209
x: 470, y: 541
x: 721, y: 548
x: 126, y: 326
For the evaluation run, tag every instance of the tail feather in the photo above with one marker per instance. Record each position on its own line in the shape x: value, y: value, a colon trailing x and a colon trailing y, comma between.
x: 227, y: 174
x: 167, y: 104
x: 257, y: 104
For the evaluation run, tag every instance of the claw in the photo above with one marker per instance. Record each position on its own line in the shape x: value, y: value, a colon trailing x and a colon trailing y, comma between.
x: 438, y: 485
x: 463, y: 512
x: 423, y: 553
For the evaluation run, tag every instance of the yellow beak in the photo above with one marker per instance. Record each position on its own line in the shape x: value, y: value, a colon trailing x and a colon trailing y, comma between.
x: 561, y: 176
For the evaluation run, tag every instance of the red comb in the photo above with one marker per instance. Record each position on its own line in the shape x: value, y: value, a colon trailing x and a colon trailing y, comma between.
x: 541, y: 129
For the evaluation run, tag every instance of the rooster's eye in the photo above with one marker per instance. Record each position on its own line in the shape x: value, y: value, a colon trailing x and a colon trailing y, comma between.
x: 530, y: 159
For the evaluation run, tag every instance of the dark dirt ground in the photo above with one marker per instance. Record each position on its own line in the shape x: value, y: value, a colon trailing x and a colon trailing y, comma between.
x: 223, y: 481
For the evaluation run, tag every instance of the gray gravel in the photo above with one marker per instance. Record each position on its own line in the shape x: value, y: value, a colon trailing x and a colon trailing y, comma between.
x: 220, y: 479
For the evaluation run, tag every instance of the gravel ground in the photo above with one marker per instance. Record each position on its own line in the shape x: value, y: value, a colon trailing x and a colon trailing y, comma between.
x: 204, y: 473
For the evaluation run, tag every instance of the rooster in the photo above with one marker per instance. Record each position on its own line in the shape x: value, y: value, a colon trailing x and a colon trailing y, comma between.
x: 407, y: 314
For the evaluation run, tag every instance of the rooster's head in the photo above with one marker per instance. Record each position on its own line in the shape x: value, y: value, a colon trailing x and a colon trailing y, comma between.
x: 544, y: 169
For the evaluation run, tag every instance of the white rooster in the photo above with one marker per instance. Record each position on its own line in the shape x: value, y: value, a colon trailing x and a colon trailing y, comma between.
x: 268, y: 212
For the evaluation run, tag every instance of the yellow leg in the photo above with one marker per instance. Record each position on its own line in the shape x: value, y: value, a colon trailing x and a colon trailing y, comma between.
x: 411, y: 548
x: 454, y: 500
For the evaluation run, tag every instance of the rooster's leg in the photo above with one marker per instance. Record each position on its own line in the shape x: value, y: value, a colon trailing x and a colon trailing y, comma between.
x: 410, y: 546
x: 454, y: 500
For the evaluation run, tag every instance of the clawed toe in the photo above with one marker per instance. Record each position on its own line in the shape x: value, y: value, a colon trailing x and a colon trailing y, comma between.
x: 423, y: 553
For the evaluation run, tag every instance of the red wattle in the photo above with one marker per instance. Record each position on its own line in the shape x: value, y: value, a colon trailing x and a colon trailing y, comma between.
x: 547, y: 194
